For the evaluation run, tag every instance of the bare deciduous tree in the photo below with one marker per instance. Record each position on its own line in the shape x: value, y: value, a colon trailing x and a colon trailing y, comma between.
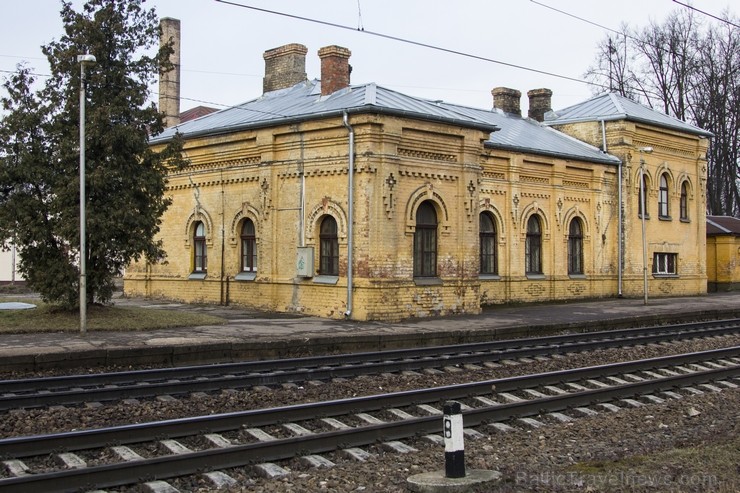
x: 689, y: 68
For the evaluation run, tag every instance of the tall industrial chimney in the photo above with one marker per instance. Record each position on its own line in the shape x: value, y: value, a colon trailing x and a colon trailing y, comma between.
x: 169, y: 82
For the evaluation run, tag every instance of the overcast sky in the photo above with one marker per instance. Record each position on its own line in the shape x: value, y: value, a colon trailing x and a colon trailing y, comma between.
x: 222, y: 44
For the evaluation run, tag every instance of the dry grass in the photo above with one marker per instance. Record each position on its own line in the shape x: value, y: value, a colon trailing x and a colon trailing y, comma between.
x: 48, y: 318
x: 702, y: 468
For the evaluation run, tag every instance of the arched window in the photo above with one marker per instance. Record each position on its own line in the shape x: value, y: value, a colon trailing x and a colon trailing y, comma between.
x: 200, y: 254
x: 684, y: 201
x: 663, y: 197
x: 249, y: 247
x: 488, y: 245
x: 575, y: 247
x: 425, y: 241
x: 643, y: 200
x: 533, y: 247
x: 328, y: 247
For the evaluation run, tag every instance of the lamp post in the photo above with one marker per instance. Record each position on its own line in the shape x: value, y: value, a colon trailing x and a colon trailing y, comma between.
x: 646, y: 150
x: 83, y: 60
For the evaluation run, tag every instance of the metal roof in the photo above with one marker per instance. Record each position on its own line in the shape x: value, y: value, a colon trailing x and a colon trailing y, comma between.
x: 304, y: 102
x: 611, y: 106
x: 723, y: 225
x: 527, y: 135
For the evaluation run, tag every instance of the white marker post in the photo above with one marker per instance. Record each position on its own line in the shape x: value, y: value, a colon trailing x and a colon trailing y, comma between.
x: 454, y: 444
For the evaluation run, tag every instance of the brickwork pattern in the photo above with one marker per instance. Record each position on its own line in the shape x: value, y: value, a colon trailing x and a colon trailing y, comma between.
x: 267, y: 174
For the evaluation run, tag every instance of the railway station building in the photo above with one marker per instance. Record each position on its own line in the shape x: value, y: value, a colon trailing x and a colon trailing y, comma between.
x: 337, y: 200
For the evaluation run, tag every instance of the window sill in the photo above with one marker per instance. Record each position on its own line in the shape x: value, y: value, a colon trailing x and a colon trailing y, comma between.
x: 577, y: 276
x: 665, y: 276
x: 427, y: 281
x: 245, y: 276
x: 647, y: 216
x: 685, y: 220
x: 489, y: 277
x: 197, y: 276
x: 326, y: 279
x: 536, y: 277
x: 665, y: 218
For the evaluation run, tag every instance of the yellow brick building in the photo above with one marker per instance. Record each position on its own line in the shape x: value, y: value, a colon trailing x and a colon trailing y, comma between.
x: 354, y: 201
x: 723, y: 253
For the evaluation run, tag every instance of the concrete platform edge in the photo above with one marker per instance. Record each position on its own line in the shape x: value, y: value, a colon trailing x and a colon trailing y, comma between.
x: 205, y: 353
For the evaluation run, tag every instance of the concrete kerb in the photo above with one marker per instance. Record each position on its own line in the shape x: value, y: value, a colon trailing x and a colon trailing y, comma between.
x: 68, y: 359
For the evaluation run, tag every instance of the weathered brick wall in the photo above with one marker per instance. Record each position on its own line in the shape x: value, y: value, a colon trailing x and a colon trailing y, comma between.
x: 723, y: 263
x: 399, y: 164
x: 682, y: 158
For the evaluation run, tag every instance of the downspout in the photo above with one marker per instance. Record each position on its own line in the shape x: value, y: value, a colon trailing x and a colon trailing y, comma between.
x: 301, y: 215
x: 350, y: 213
x: 224, y: 277
x: 619, y: 213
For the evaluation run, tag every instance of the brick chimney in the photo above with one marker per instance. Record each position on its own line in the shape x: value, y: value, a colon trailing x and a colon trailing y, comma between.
x: 507, y: 100
x: 335, y: 68
x: 169, y: 82
x: 540, y: 102
x: 285, y: 67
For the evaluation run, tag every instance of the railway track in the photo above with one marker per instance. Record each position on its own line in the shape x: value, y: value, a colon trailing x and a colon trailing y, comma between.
x: 208, y: 445
x: 104, y: 387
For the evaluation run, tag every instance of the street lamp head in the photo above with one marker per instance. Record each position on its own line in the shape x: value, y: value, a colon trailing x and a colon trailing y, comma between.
x: 646, y: 150
x: 86, y: 59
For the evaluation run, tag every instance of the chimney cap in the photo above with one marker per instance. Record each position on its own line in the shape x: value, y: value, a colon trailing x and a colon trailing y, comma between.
x: 334, y: 50
x: 289, y: 49
x: 506, y: 91
x: 539, y: 92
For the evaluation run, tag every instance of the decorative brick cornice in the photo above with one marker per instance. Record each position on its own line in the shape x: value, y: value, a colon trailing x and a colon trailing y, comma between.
x: 225, y: 164
x: 534, y: 179
x: 431, y: 156
x: 212, y: 183
x: 427, y: 175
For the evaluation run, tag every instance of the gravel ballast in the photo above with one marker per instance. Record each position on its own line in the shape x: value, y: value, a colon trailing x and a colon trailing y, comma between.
x: 612, y: 451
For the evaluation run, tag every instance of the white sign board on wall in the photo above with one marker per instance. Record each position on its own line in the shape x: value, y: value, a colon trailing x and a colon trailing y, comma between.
x: 304, y: 262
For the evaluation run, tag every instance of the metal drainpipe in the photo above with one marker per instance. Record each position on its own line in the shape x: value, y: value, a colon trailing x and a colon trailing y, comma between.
x: 619, y: 213
x: 350, y: 219
x: 301, y: 217
x: 224, y: 289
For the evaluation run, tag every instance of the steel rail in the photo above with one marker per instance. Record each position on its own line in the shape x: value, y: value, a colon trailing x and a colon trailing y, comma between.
x: 18, y: 447
x: 240, y: 455
x: 49, y: 383
x: 320, y: 368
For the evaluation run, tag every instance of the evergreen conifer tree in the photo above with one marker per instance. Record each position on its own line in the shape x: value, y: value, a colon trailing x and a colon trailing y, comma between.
x: 125, y: 178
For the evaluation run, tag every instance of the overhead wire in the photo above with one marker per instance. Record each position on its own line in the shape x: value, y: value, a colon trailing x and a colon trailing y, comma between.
x: 576, y: 17
x: 625, y: 34
x: 726, y: 21
x: 410, y: 41
x: 360, y: 28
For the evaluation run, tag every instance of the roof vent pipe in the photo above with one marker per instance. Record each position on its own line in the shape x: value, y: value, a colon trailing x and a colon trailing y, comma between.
x: 507, y: 100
